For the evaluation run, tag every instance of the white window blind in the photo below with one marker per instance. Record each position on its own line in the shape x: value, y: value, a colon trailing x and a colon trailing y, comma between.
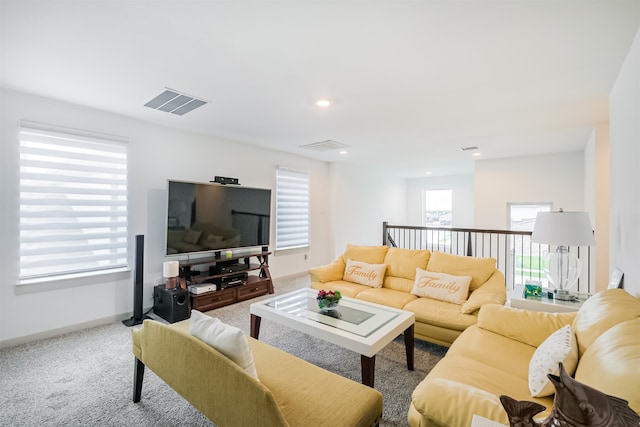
x: 73, y: 202
x: 292, y: 209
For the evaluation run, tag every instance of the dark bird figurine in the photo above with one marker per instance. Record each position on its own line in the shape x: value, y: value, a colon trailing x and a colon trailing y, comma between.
x: 575, y: 405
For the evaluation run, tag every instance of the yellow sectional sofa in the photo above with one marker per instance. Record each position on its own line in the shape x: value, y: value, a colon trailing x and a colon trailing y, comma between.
x: 492, y: 358
x: 437, y: 321
x: 288, y: 390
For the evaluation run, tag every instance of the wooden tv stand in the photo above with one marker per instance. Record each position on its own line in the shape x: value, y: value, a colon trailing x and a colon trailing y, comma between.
x: 254, y: 286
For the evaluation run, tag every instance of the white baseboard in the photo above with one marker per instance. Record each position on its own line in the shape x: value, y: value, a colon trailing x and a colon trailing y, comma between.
x: 67, y: 329
x: 97, y: 322
x: 290, y: 276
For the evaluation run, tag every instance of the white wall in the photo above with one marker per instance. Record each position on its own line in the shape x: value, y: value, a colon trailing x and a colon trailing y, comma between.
x: 555, y: 178
x: 596, y: 183
x: 462, y: 187
x: 625, y: 170
x: 362, y: 199
x: 155, y: 154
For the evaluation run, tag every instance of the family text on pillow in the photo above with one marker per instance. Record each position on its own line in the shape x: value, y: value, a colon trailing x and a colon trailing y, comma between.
x: 441, y: 286
x: 364, y: 273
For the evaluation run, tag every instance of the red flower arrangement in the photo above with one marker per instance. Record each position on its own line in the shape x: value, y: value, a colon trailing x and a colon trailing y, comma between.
x: 328, y: 299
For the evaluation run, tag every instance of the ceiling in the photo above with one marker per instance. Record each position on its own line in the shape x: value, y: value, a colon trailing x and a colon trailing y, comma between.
x: 411, y: 81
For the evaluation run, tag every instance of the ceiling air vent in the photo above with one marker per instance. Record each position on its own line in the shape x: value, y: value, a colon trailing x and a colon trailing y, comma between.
x: 472, y: 148
x: 175, y: 102
x: 327, y: 145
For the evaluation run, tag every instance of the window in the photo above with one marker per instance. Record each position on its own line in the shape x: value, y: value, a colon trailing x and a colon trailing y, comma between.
x: 527, y: 256
x: 438, y: 208
x: 522, y: 216
x: 438, y: 213
x: 292, y: 209
x: 73, y: 202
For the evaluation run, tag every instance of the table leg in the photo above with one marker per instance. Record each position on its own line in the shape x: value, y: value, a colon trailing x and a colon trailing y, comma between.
x: 255, y: 326
x: 368, y: 369
x: 409, y: 345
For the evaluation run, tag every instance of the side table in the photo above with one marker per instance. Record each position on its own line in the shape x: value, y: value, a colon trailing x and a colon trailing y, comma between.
x: 544, y: 303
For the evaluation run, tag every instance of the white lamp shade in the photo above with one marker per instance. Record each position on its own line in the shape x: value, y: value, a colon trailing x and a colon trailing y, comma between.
x: 563, y: 229
x: 170, y: 268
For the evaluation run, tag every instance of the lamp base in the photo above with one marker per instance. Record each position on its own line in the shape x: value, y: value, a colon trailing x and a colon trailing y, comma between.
x: 564, y: 295
x: 171, y: 283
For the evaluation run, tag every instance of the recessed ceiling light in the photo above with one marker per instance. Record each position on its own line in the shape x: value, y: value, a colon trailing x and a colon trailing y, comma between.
x: 428, y: 172
x: 344, y: 152
x: 323, y: 103
x: 477, y: 154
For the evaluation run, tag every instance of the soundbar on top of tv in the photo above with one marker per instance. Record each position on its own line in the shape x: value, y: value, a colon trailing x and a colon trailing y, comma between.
x: 225, y: 180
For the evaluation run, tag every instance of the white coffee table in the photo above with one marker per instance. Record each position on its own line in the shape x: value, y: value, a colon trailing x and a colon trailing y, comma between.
x: 359, y: 326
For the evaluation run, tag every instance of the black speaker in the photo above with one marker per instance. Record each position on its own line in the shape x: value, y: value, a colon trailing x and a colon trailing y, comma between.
x: 171, y: 304
x: 138, y: 270
x: 225, y: 180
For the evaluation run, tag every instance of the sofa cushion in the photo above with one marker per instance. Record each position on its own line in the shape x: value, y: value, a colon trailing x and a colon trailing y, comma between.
x: 527, y: 326
x: 388, y: 297
x: 513, y: 357
x: 602, y: 311
x: 398, y: 283
x: 227, y: 339
x: 611, y: 364
x: 458, y: 387
x: 369, y: 254
x: 441, y: 286
x: 493, y: 291
x: 440, y: 314
x: 403, y: 262
x: 364, y: 273
x: 347, y: 289
x: 329, y: 272
x: 480, y: 269
x: 299, y: 387
x: 560, y: 346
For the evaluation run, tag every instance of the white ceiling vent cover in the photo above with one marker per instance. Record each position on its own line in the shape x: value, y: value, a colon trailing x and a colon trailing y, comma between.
x: 327, y: 145
x: 175, y: 102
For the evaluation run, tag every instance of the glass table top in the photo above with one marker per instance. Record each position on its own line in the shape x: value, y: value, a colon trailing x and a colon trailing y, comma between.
x: 350, y: 315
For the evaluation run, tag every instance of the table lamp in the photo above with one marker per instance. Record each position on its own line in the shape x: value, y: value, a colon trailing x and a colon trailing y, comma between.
x: 171, y: 270
x: 562, y: 229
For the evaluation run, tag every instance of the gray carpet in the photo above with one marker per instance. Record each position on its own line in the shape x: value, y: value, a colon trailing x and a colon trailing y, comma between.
x: 85, y: 378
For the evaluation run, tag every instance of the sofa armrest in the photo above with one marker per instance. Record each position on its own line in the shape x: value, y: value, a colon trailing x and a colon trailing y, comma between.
x: 493, y: 291
x: 526, y: 326
x: 329, y: 272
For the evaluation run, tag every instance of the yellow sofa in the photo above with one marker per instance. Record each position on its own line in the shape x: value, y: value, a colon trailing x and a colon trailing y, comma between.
x: 437, y: 321
x: 492, y: 358
x: 289, y: 391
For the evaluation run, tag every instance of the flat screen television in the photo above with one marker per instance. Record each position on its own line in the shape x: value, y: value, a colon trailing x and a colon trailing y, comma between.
x: 208, y: 217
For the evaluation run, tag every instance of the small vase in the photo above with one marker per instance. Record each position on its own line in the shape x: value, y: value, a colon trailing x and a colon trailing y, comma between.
x: 327, y: 305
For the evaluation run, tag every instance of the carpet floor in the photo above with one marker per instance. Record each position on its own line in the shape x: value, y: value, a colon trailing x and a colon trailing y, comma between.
x: 85, y: 378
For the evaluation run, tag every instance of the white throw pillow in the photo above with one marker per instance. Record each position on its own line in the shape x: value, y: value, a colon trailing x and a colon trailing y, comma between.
x: 227, y: 339
x: 560, y: 346
x: 441, y: 286
x: 364, y: 273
